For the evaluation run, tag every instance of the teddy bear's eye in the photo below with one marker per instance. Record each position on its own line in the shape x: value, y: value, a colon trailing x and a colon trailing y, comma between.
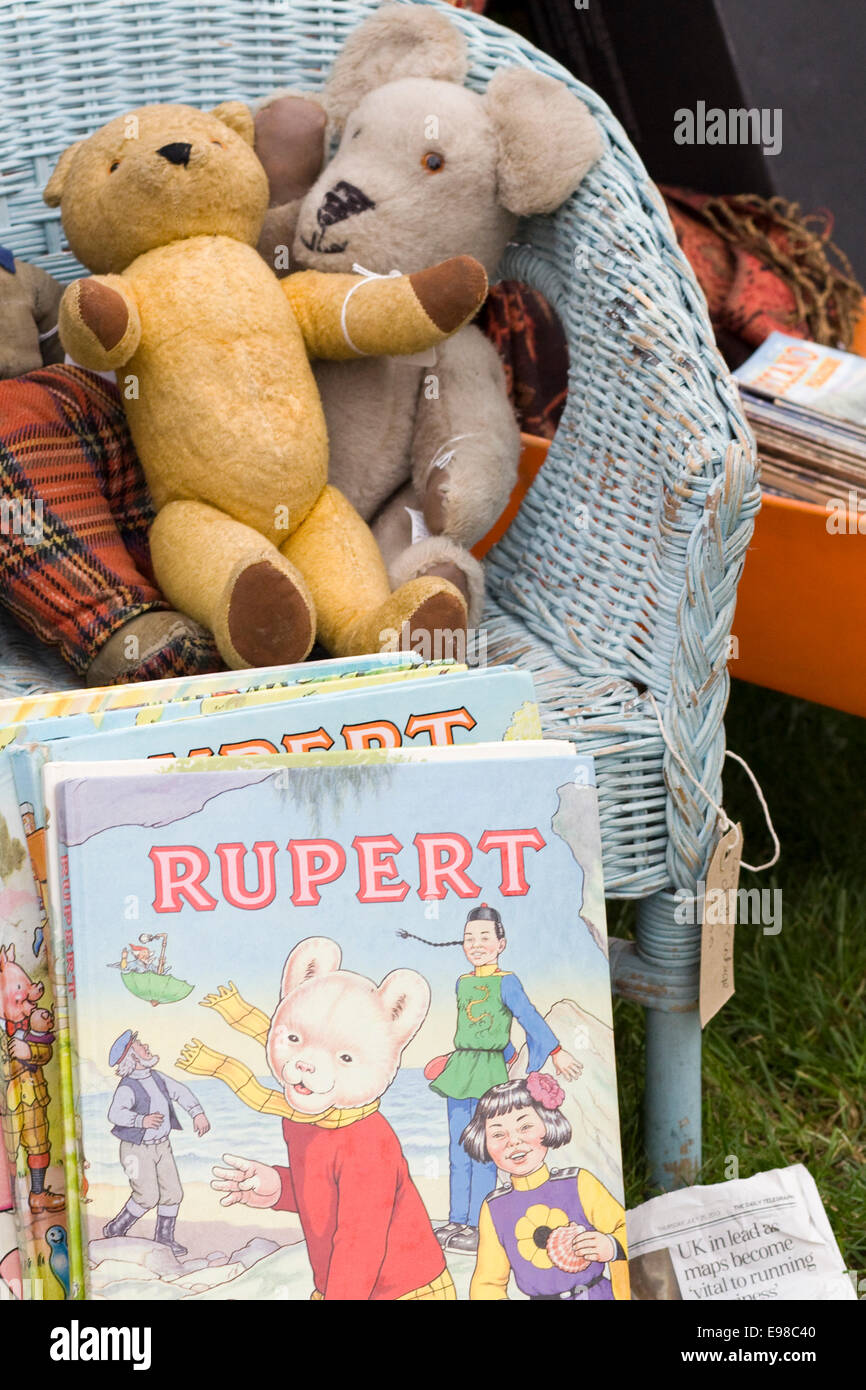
x: 433, y: 162
x: 114, y: 165
x: 218, y: 142
x: 292, y: 1037
x: 345, y: 1057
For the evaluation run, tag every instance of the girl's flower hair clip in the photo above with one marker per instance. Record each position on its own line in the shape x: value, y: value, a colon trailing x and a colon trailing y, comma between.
x: 545, y: 1090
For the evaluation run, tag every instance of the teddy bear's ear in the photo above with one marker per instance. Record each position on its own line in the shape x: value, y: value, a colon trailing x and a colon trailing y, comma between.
x: 318, y: 955
x: 237, y: 117
x: 406, y: 997
x: 548, y: 140
x: 54, y: 187
x: 397, y: 41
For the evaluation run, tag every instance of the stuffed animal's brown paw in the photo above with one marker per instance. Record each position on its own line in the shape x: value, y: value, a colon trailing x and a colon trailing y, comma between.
x: 440, y: 614
x: 452, y: 292
x: 269, y: 620
x: 103, y: 311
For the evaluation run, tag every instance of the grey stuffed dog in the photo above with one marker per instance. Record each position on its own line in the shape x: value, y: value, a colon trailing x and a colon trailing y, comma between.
x: 427, y: 451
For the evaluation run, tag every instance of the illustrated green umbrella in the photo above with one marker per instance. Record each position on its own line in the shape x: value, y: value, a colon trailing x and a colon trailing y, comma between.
x: 156, y: 986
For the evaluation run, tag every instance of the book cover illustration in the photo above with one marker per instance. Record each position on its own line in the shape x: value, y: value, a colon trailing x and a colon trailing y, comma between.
x: 411, y: 705
x: 393, y: 1073
x: 363, y: 711
x: 10, y: 1261
x: 809, y: 374
x: 30, y: 1108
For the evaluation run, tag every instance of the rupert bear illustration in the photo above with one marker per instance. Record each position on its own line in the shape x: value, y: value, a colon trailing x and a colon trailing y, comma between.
x: 28, y: 1044
x: 334, y: 1044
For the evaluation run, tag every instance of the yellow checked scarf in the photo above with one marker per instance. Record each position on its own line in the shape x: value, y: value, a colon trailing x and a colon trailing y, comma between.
x: 200, y: 1060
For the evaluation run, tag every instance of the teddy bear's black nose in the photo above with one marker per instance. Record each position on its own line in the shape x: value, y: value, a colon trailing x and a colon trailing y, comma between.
x: 177, y: 153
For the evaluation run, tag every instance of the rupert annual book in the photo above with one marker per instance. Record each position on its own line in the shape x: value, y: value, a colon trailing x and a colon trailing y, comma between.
x: 360, y: 707
x: 340, y: 1026
x: 32, y: 1154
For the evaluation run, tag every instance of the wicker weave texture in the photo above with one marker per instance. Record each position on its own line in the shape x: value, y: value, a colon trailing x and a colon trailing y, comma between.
x: 620, y: 572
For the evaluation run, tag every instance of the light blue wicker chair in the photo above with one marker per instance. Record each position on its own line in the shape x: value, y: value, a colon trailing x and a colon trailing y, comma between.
x: 619, y: 576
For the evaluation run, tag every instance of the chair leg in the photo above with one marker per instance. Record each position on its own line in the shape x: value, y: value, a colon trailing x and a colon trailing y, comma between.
x: 672, y: 1097
x: 669, y: 950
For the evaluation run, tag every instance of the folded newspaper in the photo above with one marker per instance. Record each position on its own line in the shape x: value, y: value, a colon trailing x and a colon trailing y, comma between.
x: 752, y: 1239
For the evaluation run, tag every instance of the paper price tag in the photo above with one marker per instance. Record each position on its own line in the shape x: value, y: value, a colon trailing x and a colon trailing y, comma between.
x: 718, y: 919
x: 420, y: 529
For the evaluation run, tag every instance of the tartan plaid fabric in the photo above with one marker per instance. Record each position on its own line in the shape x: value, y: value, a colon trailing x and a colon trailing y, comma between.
x: 74, y: 512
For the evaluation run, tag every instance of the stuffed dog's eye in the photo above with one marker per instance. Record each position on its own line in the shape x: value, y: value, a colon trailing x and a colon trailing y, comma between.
x: 433, y: 162
x: 218, y: 142
x: 345, y: 1057
x: 113, y: 166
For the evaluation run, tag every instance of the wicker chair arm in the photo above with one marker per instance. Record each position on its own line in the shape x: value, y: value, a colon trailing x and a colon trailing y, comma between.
x: 694, y: 710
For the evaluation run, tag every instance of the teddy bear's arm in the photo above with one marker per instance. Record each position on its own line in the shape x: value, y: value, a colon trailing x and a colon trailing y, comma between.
x: 100, y: 326
x: 347, y: 316
x: 466, y: 443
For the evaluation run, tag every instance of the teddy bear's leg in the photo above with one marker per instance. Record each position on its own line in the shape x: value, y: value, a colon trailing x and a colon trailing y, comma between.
x: 466, y: 442
x: 234, y: 581
x: 410, y: 551
x: 338, y: 556
x: 464, y: 454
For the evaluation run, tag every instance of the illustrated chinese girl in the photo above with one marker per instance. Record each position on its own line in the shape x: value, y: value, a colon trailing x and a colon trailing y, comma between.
x: 488, y: 1000
x: 554, y: 1229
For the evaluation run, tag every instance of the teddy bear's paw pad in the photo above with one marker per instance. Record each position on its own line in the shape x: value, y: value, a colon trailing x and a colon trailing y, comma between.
x: 442, y: 611
x: 103, y: 311
x: 269, y: 620
x: 451, y: 293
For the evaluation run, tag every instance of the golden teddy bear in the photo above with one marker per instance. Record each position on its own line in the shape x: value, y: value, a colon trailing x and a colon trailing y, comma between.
x: 165, y: 206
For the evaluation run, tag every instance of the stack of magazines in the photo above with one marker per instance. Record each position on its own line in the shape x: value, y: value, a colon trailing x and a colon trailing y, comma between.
x: 304, y: 993
x: 807, y: 406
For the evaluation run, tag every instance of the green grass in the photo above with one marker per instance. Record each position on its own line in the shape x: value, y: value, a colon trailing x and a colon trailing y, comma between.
x: 785, y: 1061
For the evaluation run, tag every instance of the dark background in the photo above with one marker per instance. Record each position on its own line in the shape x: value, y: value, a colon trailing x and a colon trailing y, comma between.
x: 806, y: 57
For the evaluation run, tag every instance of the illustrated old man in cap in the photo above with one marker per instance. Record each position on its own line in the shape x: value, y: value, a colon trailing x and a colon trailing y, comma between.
x: 143, y: 1112
x: 488, y: 999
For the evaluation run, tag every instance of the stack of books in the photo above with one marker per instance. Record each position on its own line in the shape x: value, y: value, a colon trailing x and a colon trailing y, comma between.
x: 304, y: 992
x: 807, y: 406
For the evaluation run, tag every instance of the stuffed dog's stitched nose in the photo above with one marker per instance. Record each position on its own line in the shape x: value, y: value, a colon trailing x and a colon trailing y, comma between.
x: 342, y: 201
x: 177, y: 153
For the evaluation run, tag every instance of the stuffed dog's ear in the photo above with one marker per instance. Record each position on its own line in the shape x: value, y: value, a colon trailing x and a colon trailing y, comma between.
x: 54, y: 187
x: 397, y: 41
x: 548, y: 141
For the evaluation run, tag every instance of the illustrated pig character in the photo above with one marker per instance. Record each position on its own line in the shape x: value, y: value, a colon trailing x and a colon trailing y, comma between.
x: 25, y: 1098
x: 19, y: 995
x: 334, y: 1045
